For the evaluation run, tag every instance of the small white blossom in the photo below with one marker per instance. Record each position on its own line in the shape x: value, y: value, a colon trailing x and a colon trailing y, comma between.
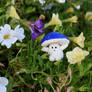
x: 2, y: 88
x: 13, y: 2
x: 19, y: 33
x: 3, y: 83
x: 61, y: 1
x: 77, y: 7
x: 42, y: 2
x: 7, y: 36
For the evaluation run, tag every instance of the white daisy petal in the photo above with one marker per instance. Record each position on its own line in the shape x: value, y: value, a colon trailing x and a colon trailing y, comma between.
x: 13, y: 40
x: 1, y: 38
x: 42, y: 2
x: 19, y: 33
x: 7, y: 36
x: 2, y: 88
x: 17, y: 27
x: 7, y: 27
x: 61, y: 1
x: 1, y: 28
x: 6, y: 43
x: 78, y: 7
x: 9, y: 42
x: 21, y: 30
x: 3, y: 81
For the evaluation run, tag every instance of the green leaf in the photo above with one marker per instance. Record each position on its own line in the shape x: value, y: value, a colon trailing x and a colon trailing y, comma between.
x: 44, y: 56
x: 30, y: 10
x: 58, y: 62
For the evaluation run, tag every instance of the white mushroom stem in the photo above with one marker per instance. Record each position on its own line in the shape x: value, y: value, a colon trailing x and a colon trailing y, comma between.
x: 55, y: 51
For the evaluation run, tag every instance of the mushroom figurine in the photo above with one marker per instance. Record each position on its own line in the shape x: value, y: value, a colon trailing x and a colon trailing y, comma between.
x: 54, y: 43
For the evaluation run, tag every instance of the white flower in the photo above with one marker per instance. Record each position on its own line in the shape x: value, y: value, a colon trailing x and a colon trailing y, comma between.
x: 19, y: 33
x: 42, y: 1
x: 3, y: 83
x: 2, y: 88
x: 61, y: 1
x: 13, y: 2
x: 77, y: 7
x: 7, y: 36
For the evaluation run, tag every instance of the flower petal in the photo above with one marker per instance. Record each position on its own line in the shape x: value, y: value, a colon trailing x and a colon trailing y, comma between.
x: 2, y: 88
x: 19, y: 33
x: 79, y: 40
x: 3, y: 81
x: 61, y: 1
x: 77, y: 55
x: 34, y: 35
x: 7, y: 27
x: 42, y: 1
x: 55, y: 20
x: 39, y: 24
x: 36, y: 28
x: 12, y: 13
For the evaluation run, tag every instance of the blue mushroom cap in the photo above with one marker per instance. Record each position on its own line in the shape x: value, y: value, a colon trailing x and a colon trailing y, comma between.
x: 53, y: 35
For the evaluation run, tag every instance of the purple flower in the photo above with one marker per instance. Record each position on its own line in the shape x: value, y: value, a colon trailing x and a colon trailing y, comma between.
x: 36, y: 28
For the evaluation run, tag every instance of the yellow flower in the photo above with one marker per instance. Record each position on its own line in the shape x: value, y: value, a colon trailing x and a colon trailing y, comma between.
x: 72, y: 19
x: 12, y: 13
x: 76, y: 56
x: 55, y: 20
x: 79, y: 40
x: 69, y: 10
x: 88, y: 15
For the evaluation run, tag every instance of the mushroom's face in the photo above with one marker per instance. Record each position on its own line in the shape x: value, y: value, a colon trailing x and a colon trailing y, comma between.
x: 54, y: 47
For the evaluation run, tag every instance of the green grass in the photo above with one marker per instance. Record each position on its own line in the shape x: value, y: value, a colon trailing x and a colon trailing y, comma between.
x: 27, y: 67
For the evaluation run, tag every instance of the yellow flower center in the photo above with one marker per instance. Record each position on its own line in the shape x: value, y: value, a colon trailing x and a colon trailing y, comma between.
x: 6, y: 36
x: 89, y: 17
x: 79, y: 56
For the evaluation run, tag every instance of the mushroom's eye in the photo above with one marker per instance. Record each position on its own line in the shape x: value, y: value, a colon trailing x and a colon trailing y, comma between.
x: 52, y: 47
x: 55, y: 47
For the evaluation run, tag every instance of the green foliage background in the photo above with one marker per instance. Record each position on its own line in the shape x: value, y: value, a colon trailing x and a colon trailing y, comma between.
x: 26, y: 64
